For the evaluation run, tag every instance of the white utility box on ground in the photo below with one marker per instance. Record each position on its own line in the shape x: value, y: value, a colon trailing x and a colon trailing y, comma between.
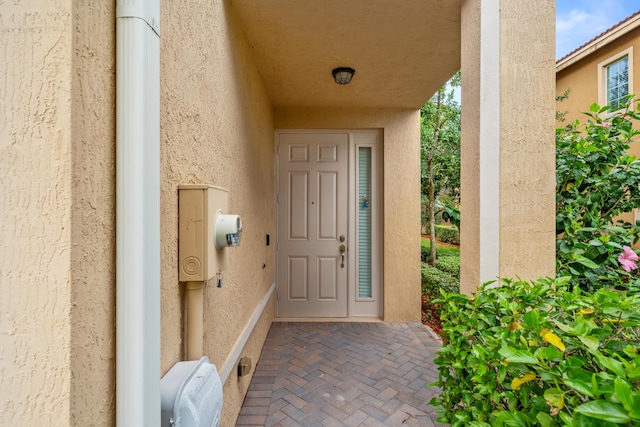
x: 191, y: 395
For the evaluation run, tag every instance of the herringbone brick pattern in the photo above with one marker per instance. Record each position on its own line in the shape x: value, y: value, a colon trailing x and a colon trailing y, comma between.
x: 343, y: 374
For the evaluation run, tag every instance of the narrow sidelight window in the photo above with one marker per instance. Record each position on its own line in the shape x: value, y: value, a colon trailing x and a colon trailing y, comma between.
x: 364, y: 222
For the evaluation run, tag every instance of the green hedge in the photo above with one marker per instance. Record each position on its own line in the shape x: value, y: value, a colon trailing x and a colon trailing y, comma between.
x: 447, y: 258
x: 424, y: 253
x: 450, y: 264
x: 540, y: 354
x: 434, y: 279
x: 447, y: 234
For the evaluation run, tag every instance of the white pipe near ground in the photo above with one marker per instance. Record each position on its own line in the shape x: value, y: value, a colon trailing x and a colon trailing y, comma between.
x: 137, y: 213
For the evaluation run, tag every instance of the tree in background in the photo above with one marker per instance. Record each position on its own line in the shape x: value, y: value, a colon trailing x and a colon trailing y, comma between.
x: 440, y: 150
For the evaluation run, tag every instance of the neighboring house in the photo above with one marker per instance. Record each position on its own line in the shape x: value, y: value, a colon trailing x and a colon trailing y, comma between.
x: 108, y: 108
x: 603, y: 70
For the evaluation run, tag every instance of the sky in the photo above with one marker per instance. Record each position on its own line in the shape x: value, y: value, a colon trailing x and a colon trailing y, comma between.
x: 578, y: 21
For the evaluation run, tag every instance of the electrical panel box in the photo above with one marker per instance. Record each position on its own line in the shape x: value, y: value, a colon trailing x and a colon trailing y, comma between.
x: 199, y: 206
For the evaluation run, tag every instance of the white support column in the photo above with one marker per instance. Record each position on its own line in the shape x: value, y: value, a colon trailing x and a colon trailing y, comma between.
x: 489, y: 140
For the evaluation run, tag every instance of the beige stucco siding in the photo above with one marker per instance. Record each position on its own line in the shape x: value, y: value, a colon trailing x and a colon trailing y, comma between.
x: 58, y: 211
x: 217, y: 129
x: 35, y: 208
x: 401, y: 188
x: 93, y: 216
x: 470, y: 148
x: 527, y: 154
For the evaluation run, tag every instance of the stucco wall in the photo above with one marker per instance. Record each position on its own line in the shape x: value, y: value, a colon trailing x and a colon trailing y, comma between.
x: 57, y: 162
x: 401, y: 191
x: 527, y: 155
x: 93, y: 216
x: 216, y: 128
x: 470, y: 148
x: 526, y: 189
x: 35, y: 211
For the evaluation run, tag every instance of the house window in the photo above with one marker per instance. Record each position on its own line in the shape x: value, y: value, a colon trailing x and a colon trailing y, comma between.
x: 615, y: 79
x: 617, y: 82
x: 364, y: 222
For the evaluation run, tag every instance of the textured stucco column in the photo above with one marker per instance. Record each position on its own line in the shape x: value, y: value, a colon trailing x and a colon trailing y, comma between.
x: 508, y: 156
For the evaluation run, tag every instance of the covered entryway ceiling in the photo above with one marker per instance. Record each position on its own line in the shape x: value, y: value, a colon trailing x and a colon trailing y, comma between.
x: 402, y: 50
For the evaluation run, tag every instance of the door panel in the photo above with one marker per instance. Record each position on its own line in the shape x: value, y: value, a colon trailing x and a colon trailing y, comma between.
x: 298, y: 200
x: 327, y: 205
x: 297, y: 285
x: 312, y: 198
x: 327, y: 280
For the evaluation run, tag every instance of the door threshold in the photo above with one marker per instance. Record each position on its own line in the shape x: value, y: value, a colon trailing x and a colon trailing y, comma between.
x: 327, y: 319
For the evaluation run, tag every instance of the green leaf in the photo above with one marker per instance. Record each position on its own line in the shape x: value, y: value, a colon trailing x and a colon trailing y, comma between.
x: 587, y: 262
x: 549, y: 353
x: 567, y: 419
x: 564, y: 328
x: 624, y: 393
x: 555, y: 397
x: 612, y: 364
x: 635, y: 413
x: 584, y: 421
x: 539, y: 404
x: 614, y: 245
x: 594, y: 108
x: 606, y: 411
x: 531, y: 319
x: 580, y: 386
x: 512, y: 419
x: 545, y: 420
x: 590, y: 342
x: 521, y: 356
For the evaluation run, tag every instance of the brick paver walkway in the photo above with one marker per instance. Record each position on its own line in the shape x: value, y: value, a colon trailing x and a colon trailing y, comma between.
x: 343, y: 374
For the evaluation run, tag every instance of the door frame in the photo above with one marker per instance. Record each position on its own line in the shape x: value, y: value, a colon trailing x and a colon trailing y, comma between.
x: 373, y: 138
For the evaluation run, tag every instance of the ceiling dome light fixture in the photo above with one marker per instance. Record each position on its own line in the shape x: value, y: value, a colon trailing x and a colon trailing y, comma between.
x: 343, y: 75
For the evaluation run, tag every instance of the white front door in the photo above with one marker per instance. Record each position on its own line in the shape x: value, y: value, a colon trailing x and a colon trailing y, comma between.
x: 312, y: 224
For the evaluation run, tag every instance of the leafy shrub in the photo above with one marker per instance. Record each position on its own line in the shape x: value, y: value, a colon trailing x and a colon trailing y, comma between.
x: 434, y: 279
x: 444, y: 276
x: 450, y: 263
x: 447, y: 234
x: 452, y: 215
x: 596, y: 180
x: 538, y: 353
x: 424, y: 253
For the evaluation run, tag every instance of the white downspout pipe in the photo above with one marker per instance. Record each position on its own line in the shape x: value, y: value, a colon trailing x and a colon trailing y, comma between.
x: 137, y: 213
